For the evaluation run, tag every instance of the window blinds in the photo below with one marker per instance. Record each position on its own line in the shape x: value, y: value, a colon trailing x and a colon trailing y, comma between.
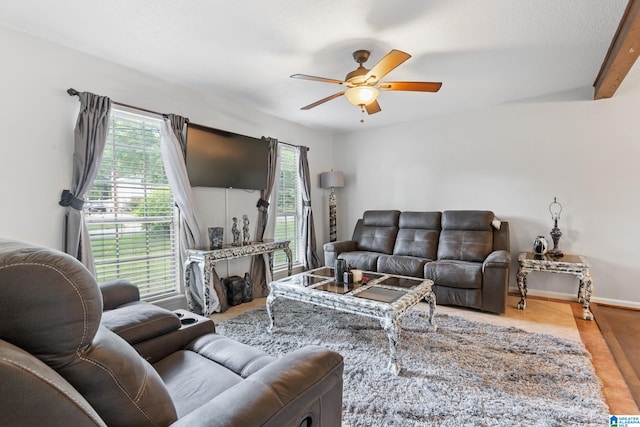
x: 288, y: 205
x: 129, y: 210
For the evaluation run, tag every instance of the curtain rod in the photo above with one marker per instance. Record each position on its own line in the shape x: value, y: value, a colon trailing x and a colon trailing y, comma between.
x: 73, y: 92
x: 293, y: 145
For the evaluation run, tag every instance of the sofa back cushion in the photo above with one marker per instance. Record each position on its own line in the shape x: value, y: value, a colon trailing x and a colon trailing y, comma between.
x: 51, y: 306
x: 418, y: 234
x: 33, y: 394
x: 466, y: 235
x: 377, y: 232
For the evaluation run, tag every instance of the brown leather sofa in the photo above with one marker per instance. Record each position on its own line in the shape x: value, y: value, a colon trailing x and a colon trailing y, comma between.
x: 59, y: 365
x: 465, y: 253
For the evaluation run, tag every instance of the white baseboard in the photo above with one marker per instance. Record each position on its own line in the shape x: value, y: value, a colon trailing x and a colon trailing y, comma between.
x: 573, y: 297
x: 615, y: 302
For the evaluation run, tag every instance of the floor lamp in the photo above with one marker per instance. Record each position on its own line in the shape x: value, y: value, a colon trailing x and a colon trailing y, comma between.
x: 333, y: 179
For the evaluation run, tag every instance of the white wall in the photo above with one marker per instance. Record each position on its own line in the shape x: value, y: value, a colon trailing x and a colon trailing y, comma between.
x: 513, y: 159
x: 37, y: 118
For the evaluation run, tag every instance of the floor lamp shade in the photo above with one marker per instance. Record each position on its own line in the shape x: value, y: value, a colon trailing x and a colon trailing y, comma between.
x: 333, y: 179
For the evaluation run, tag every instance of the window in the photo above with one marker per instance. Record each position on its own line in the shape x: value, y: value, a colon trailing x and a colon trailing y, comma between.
x: 130, y: 211
x: 288, y: 206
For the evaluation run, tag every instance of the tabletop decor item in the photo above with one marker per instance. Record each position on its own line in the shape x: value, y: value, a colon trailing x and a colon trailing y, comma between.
x: 340, y: 267
x: 245, y: 230
x: 555, y: 208
x: 215, y: 237
x: 235, y: 232
x: 540, y: 246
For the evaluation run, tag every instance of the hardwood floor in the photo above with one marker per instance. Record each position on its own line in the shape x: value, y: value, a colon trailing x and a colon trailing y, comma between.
x: 620, y: 328
x: 543, y: 315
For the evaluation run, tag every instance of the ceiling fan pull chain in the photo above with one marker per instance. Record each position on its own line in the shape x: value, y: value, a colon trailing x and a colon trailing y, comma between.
x: 362, y: 114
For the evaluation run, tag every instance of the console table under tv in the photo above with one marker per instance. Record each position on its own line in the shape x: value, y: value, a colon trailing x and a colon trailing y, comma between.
x: 206, y: 259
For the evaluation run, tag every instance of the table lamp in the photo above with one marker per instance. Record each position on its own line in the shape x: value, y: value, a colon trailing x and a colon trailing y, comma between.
x: 332, y: 180
x: 555, y: 208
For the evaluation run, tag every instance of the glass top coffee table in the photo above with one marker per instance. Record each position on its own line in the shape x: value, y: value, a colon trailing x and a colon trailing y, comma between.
x: 385, y: 297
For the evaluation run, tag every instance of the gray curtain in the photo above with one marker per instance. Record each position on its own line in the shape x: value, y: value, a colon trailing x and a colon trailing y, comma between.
x: 260, y: 273
x: 172, y: 145
x: 311, y: 259
x: 90, y: 136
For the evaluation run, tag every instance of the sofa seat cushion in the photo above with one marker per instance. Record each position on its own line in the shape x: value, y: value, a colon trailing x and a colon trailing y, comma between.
x: 455, y: 274
x: 208, y: 366
x: 361, y: 260
x: 401, y: 265
x: 193, y: 380
x: 140, y: 321
x: 241, y: 359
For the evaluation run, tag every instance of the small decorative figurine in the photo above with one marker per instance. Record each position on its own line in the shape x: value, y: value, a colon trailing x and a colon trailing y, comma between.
x: 245, y: 230
x: 235, y: 232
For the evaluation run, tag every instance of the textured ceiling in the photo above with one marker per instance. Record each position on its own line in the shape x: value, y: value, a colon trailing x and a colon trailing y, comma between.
x: 485, y: 52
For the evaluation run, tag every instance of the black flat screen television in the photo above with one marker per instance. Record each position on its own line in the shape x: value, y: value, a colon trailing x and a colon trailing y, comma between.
x: 217, y: 158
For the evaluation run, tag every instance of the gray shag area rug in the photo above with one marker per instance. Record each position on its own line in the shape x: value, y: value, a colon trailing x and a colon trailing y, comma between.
x: 465, y: 373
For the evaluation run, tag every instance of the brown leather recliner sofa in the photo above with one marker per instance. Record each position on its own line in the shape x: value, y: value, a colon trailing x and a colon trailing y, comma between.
x: 60, y: 365
x: 465, y: 253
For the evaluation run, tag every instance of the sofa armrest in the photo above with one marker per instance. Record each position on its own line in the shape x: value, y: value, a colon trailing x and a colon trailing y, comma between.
x: 497, y: 259
x: 306, y: 383
x: 118, y: 292
x: 164, y: 344
x: 333, y: 249
x: 140, y: 321
x: 495, y: 281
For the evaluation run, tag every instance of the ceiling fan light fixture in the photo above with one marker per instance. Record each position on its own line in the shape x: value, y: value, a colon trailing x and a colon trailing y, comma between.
x: 361, y: 95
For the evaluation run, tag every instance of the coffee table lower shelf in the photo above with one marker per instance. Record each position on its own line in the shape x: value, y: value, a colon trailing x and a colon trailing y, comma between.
x: 389, y: 314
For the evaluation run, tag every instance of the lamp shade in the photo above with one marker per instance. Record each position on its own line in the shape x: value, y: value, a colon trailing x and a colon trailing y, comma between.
x: 333, y: 179
x: 361, y: 95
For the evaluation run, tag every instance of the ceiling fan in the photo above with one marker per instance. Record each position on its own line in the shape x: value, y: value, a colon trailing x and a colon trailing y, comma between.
x: 363, y: 85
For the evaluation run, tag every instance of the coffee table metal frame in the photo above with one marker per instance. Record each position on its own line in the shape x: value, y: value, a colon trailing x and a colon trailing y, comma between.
x: 388, y: 313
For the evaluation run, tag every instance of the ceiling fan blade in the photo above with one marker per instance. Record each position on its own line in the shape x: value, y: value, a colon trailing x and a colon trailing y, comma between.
x: 318, y: 79
x: 385, y: 65
x: 373, y: 108
x: 411, y: 86
x: 323, y: 100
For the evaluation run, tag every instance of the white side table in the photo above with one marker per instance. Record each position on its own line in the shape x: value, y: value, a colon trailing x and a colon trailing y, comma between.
x: 568, y: 264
